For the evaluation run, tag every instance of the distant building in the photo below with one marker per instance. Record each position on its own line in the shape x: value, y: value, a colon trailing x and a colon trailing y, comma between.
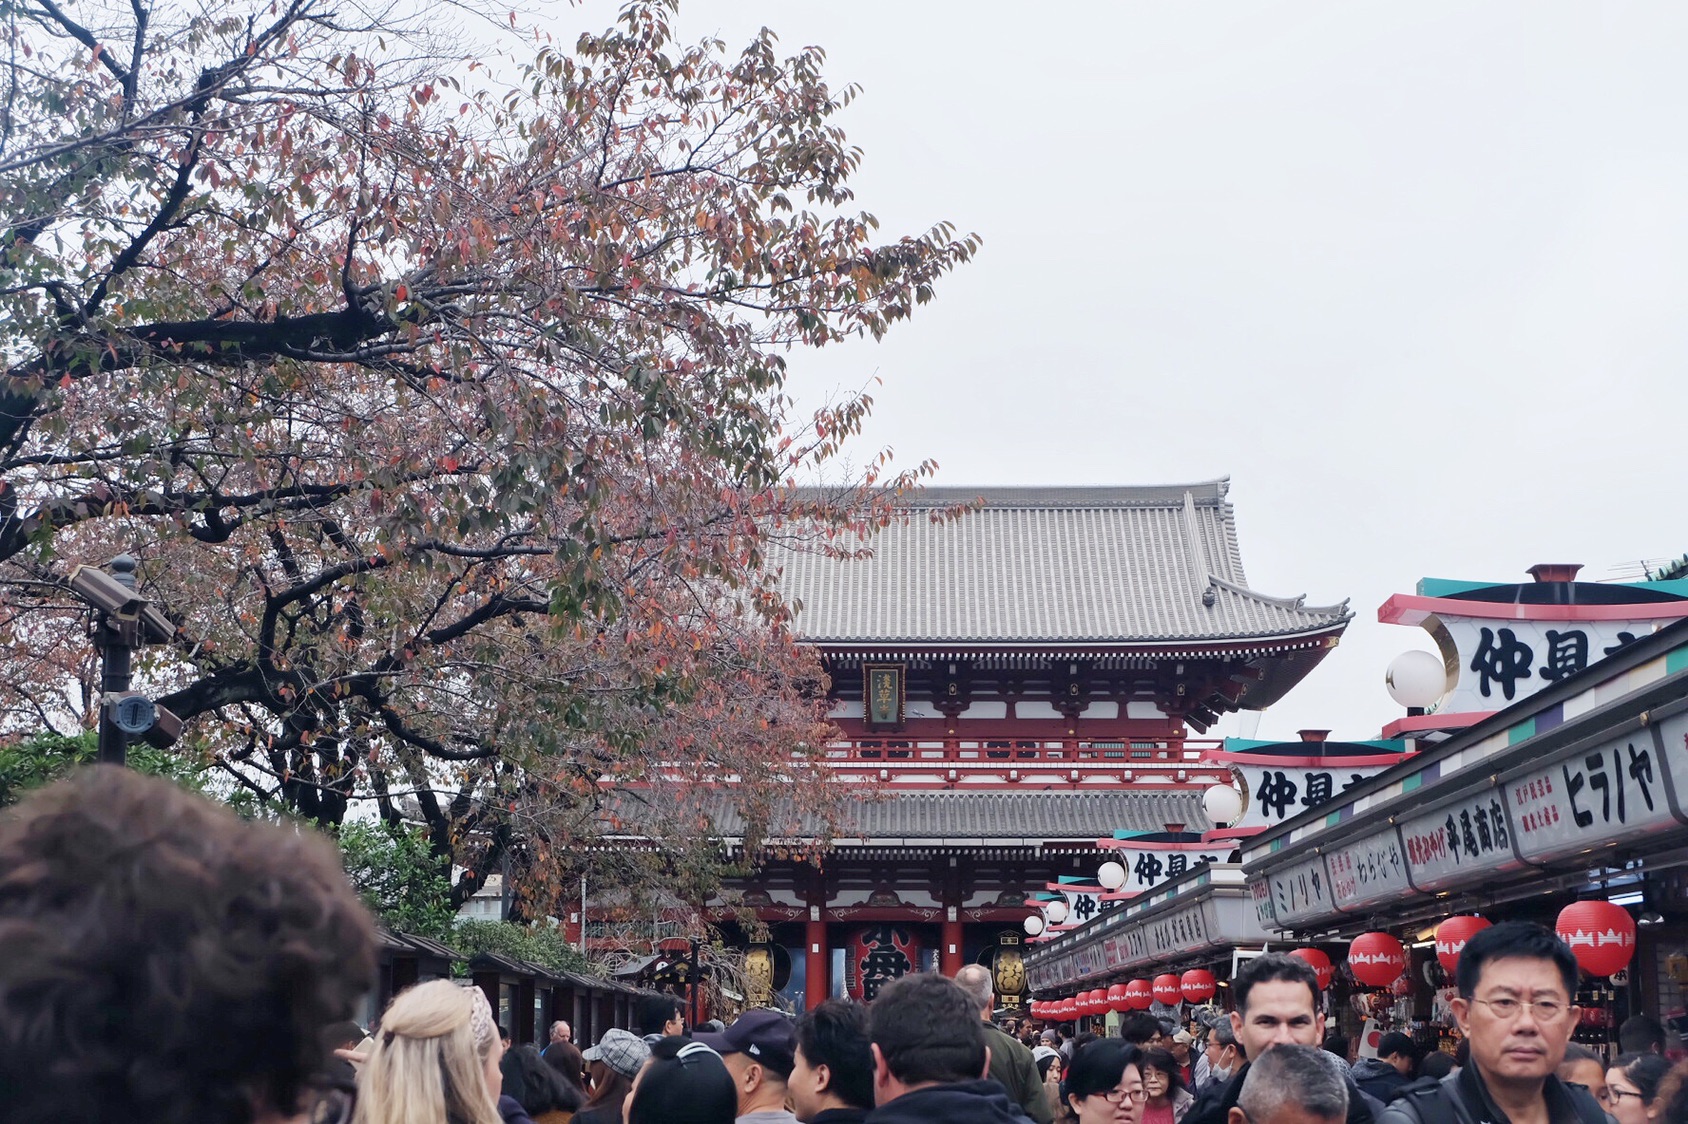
x: 1023, y: 682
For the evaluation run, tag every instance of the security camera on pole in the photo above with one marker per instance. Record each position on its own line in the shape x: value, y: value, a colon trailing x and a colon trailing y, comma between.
x: 123, y: 621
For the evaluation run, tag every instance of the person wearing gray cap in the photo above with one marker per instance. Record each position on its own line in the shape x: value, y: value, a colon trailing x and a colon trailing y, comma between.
x: 760, y: 1051
x: 613, y: 1063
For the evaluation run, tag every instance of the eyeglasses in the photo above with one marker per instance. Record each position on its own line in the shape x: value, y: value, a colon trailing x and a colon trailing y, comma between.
x: 1115, y: 1096
x: 1507, y: 1008
x: 1616, y: 1095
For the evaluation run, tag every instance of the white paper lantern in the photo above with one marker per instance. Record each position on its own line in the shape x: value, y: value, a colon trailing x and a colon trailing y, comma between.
x: 1033, y: 925
x: 1416, y: 679
x: 1057, y: 911
x: 1223, y: 804
x: 1111, y: 875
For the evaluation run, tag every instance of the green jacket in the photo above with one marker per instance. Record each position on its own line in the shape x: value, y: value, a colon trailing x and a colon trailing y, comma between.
x: 1012, y: 1067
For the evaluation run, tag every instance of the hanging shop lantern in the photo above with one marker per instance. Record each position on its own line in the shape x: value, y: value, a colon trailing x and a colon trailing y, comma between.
x: 1099, y: 1001
x: 1069, y: 1008
x: 1451, y: 936
x: 1086, y: 1003
x: 1056, y: 910
x: 1141, y: 993
x: 1033, y: 925
x: 1117, y: 999
x: 1601, y: 935
x: 1197, y: 985
x: 1318, y: 961
x: 1376, y: 959
x: 1166, y: 989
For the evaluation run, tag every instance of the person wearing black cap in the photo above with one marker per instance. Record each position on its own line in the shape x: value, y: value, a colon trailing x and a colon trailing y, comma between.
x: 759, y: 1049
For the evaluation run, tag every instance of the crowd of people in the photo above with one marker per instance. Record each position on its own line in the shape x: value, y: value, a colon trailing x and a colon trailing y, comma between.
x: 163, y: 962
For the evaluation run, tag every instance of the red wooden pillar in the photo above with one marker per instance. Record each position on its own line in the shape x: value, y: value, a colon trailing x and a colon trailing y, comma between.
x: 817, y: 962
x: 949, y: 946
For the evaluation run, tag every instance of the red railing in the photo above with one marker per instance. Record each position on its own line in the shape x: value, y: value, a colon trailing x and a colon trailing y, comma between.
x: 1010, y: 762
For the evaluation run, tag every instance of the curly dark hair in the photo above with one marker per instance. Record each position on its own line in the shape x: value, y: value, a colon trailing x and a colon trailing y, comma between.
x: 164, y: 962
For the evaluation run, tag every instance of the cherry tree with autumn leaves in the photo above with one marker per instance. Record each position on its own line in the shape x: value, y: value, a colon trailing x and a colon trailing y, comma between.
x: 442, y: 404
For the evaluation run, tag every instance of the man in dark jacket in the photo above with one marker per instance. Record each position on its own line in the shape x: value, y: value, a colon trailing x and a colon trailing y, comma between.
x: 929, y: 1057
x: 1392, y: 1069
x: 1516, y: 1007
x: 1277, y: 1001
x: 1012, y: 1065
x: 832, y: 1082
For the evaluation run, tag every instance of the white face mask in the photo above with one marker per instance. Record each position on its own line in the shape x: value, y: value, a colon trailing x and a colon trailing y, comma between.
x: 1220, y: 1074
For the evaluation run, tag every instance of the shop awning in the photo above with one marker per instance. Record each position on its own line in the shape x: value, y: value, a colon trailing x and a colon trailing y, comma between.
x: 1590, y: 774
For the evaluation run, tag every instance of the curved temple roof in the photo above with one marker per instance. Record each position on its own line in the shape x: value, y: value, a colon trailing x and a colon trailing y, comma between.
x: 1139, y: 565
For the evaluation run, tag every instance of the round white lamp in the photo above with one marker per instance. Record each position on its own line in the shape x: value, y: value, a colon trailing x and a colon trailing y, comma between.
x: 1033, y: 925
x: 1416, y: 679
x: 1223, y: 804
x: 1056, y: 911
x: 1111, y: 875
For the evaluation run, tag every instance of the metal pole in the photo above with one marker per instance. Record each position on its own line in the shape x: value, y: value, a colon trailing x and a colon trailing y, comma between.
x: 114, y: 645
x: 583, y: 915
x: 114, y: 679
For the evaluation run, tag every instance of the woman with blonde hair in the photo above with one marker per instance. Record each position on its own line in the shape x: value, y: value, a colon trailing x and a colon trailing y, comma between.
x: 434, y: 1061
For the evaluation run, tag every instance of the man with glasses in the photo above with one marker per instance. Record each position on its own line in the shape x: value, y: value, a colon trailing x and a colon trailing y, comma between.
x: 1516, y: 982
x: 1293, y: 1084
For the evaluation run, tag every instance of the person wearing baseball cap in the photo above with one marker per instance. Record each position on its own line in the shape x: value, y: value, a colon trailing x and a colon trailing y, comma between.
x: 759, y: 1049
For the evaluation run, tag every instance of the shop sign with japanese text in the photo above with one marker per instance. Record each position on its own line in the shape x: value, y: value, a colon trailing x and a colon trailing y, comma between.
x: 1459, y: 842
x: 1182, y: 930
x: 1147, y: 867
x: 1276, y: 793
x: 1504, y: 660
x: 1367, y: 871
x: 1260, y: 892
x: 1591, y: 796
x: 1301, y: 892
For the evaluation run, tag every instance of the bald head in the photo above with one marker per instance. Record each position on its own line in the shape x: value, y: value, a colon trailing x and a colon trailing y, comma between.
x: 975, y: 980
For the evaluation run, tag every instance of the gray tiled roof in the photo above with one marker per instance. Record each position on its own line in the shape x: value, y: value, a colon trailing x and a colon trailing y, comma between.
x: 1048, y: 565
x: 998, y: 815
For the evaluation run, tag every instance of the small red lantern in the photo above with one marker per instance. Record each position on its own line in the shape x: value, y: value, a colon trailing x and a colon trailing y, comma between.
x: 1601, y: 935
x: 1376, y: 959
x: 1141, y: 994
x: 1198, y: 985
x: 1069, y: 1010
x: 1451, y: 936
x: 1117, y: 999
x: 1166, y: 989
x: 1318, y: 961
x: 1087, y: 1002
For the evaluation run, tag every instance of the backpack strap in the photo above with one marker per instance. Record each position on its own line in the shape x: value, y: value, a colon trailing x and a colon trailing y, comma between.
x: 1431, y: 1101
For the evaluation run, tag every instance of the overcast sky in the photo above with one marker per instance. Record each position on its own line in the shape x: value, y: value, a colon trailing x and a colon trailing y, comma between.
x: 1412, y: 275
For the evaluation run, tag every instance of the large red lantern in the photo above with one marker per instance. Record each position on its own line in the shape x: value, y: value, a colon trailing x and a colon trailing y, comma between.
x: 1198, y: 985
x: 1141, y: 994
x: 1088, y: 1002
x: 1166, y: 989
x: 1376, y: 959
x: 1318, y: 961
x: 1067, y: 1010
x: 874, y: 955
x: 1117, y: 999
x: 1601, y: 935
x: 1451, y: 936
